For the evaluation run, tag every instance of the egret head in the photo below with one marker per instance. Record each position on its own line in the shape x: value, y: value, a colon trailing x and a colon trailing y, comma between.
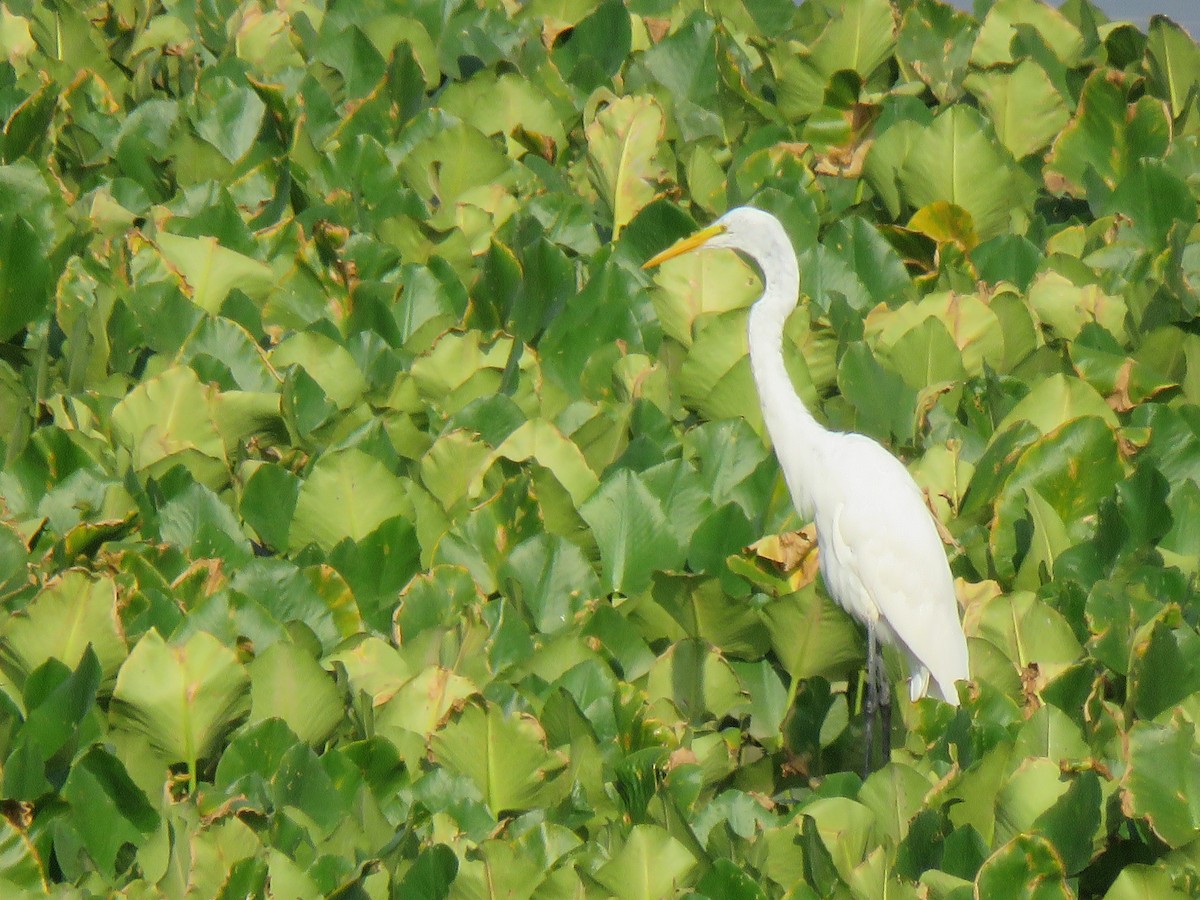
x: 756, y: 233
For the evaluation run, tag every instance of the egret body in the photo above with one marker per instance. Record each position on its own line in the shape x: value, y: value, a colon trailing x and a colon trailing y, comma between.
x: 881, y: 556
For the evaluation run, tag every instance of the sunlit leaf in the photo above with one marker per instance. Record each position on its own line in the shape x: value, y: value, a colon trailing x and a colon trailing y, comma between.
x: 65, y: 617
x: 1162, y: 782
x: 650, y: 864
x: 346, y: 495
x: 182, y: 698
x: 957, y: 160
x: 622, y: 165
x: 505, y: 756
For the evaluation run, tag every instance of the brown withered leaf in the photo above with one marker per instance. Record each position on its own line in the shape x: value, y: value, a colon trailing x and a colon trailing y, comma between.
x: 795, y: 552
x: 1032, y: 682
x: 843, y: 162
x: 1119, y: 399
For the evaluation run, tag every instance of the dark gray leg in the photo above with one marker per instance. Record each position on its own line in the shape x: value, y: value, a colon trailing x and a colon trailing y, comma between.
x: 872, y: 698
x: 885, y: 708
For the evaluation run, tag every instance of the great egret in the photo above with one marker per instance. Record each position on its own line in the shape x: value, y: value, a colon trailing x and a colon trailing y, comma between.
x: 881, y: 557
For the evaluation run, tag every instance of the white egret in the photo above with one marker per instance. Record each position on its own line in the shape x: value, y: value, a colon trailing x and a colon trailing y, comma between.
x: 881, y: 557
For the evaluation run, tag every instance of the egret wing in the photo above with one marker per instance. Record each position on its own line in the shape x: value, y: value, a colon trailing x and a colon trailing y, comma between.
x: 883, y: 537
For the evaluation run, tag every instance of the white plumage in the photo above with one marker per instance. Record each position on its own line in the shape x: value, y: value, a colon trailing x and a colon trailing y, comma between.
x: 881, y: 556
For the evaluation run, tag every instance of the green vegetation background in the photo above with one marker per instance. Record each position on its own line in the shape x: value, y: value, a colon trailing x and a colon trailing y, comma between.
x: 373, y: 526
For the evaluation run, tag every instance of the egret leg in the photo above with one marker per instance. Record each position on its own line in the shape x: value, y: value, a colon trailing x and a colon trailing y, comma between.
x: 872, y: 698
x: 885, y: 708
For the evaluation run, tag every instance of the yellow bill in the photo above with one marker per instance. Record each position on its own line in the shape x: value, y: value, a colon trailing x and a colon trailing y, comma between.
x: 699, y: 239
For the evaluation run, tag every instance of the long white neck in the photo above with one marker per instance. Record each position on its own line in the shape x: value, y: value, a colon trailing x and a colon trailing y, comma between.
x: 794, y: 431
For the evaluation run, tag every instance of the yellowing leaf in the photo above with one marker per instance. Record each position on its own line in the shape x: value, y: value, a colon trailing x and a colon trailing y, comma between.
x: 504, y: 754
x: 650, y: 865
x: 972, y: 325
x: 542, y: 442
x: 209, y: 271
x: 623, y: 143
x: 1056, y: 400
x: 181, y: 697
x: 1067, y: 307
x: 422, y: 704
x: 169, y: 419
x: 70, y: 613
x: 348, y: 494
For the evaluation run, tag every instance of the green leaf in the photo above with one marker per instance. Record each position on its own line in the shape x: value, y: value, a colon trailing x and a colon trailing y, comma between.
x: 347, y: 494
x: 30, y: 123
x: 1153, y: 221
x: 599, y: 44
x: 632, y: 531
x: 1028, y: 863
x: 268, y: 502
x: 227, y: 115
x: 715, y: 378
x: 1107, y: 135
x: 1005, y: 17
x: 108, y: 810
x: 327, y: 362
x: 1038, y: 798
x: 288, y: 684
x: 25, y: 275
x: 194, y: 519
x: 210, y: 271
x: 1058, y: 400
x: 1143, y: 882
x: 844, y: 827
x: 700, y: 683
x: 377, y: 567
x: 504, y: 755
x: 182, y: 698
x: 431, y: 876
x: 872, y: 259
x: 1164, y: 665
x: 504, y: 869
x: 274, y: 593
x: 454, y: 159
x: 1025, y: 108
x: 927, y: 356
x: 860, y: 37
x: 811, y: 635
x: 691, y: 285
x: 551, y: 579
x: 1162, y: 782
x: 60, y: 715
x: 894, y: 794
x: 726, y: 879
x: 540, y: 441
x: 65, y: 618
x: 1029, y: 631
x: 20, y: 863
x: 685, y: 63
x: 650, y: 864
x: 170, y: 419
x: 886, y: 407
x: 935, y: 43
x: 502, y: 104
x: 956, y: 160
x: 1174, y: 62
